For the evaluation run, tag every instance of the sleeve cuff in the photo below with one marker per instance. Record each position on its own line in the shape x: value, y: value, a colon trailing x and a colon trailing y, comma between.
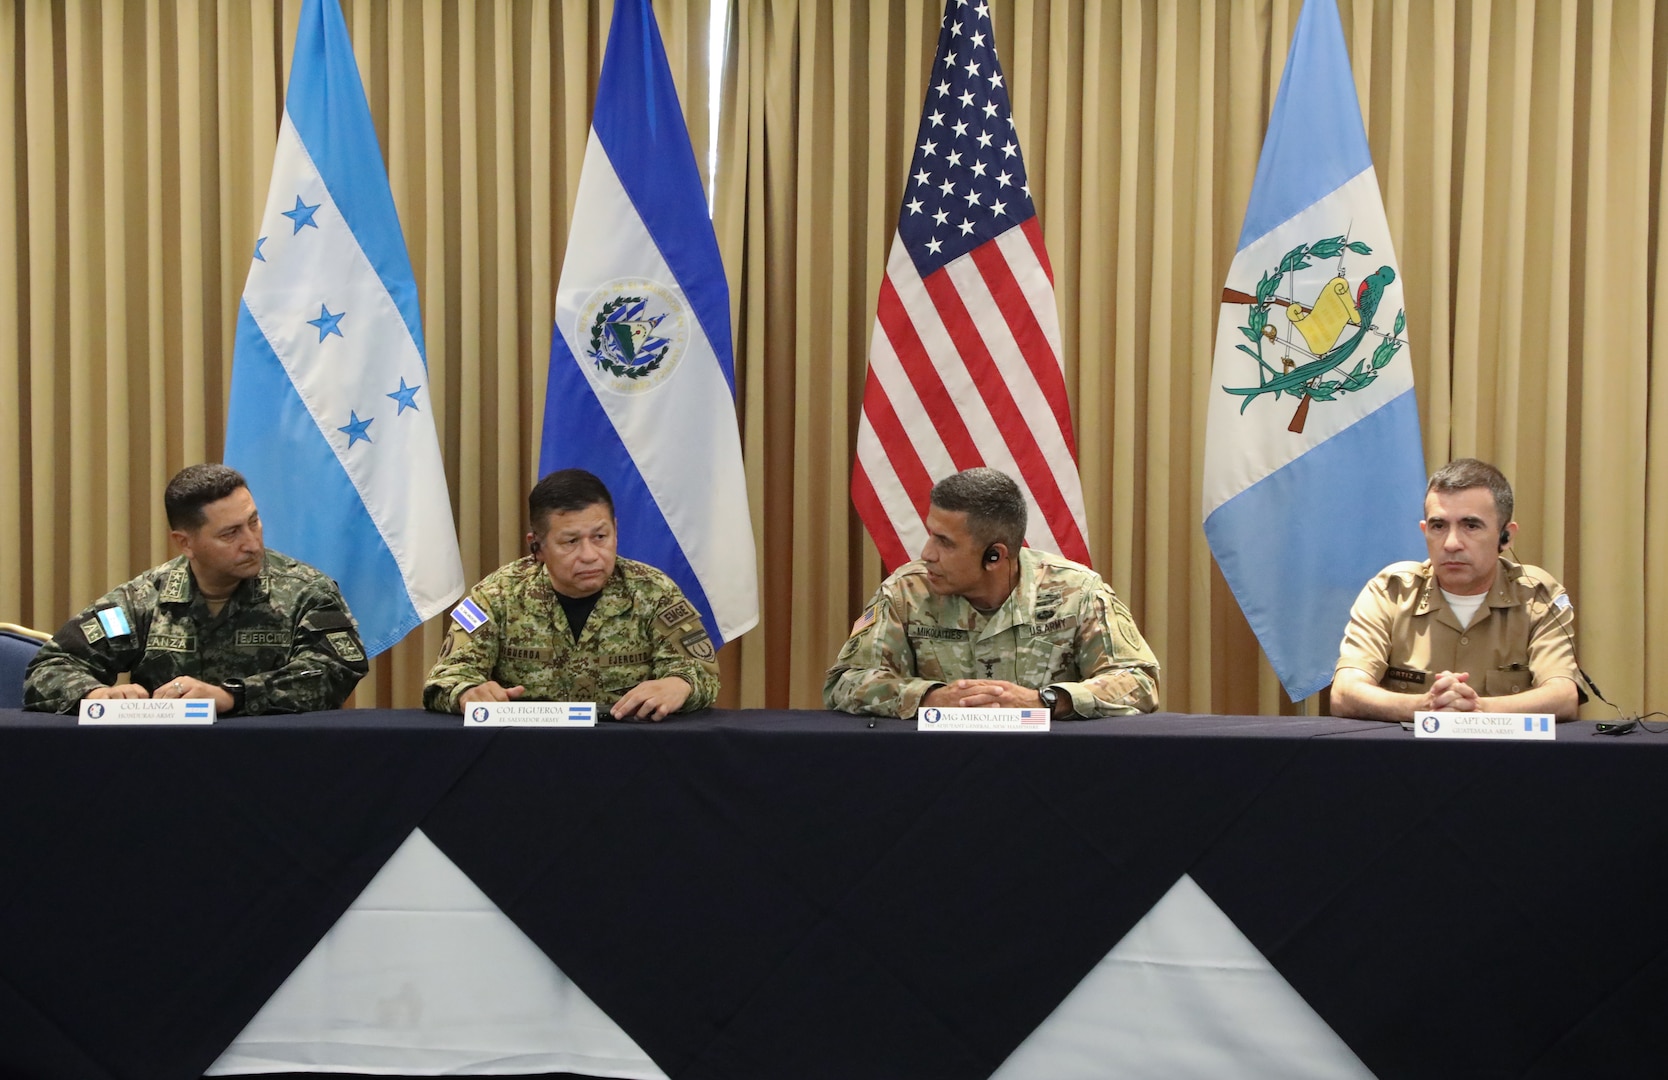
x: 909, y: 697
x: 255, y: 696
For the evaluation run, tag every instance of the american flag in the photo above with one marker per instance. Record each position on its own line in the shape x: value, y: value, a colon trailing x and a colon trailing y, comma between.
x: 965, y: 365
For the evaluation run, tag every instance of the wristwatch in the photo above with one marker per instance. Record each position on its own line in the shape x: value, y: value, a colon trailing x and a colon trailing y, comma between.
x: 234, y: 687
x: 1049, y: 696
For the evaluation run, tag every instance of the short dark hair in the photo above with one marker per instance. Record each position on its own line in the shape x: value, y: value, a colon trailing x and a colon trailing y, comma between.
x: 993, y: 503
x: 193, y: 488
x: 563, y: 492
x: 1462, y: 474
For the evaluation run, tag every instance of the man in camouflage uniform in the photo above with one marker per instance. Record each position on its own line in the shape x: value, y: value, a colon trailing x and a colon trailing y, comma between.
x: 982, y: 621
x: 574, y: 622
x: 256, y: 631
x: 1468, y: 629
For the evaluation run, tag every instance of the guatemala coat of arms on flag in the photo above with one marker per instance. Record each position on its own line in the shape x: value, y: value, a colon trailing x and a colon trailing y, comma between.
x: 1314, y: 469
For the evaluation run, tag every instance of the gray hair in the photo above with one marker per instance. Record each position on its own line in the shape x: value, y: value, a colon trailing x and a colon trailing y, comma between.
x: 993, y: 503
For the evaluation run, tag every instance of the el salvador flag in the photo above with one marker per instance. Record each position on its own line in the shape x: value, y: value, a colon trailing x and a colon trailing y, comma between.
x: 330, y: 416
x: 642, y: 381
x: 1314, y: 474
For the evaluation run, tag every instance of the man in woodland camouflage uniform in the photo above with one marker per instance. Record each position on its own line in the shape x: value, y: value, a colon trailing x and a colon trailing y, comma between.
x: 574, y: 622
x: 982, y: 621
x: 256, y: 631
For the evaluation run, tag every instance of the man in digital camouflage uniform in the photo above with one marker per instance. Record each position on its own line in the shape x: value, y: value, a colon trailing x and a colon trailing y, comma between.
x: 1467, y: 630
x: 256, y: 631
x: 574, y: 622
x: 981, y: 621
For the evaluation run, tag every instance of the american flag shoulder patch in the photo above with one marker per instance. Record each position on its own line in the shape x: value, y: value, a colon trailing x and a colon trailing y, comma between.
x: 469, y: 615
x: 864, y: 621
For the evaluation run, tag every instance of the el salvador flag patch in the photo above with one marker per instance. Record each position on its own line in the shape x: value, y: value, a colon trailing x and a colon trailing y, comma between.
x: 114, y: 621
x: 469, y: 615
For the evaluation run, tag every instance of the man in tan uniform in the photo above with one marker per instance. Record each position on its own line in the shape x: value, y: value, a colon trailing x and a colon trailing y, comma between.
x: 1467, y: 629
x: 574, y: 622
x: 982, y: 621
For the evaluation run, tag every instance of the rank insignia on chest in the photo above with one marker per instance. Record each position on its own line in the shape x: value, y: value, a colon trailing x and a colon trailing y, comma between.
x: 177, y: 589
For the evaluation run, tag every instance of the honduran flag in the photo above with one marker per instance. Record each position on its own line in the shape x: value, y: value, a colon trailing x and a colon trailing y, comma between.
x: 330, y: 418
x: 1314, y: 474
x: 642, y: 379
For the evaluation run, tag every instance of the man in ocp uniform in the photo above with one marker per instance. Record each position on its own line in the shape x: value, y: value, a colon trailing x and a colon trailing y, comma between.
x: 981, y: 621
x: 574, y: 622
x: 256, y: 631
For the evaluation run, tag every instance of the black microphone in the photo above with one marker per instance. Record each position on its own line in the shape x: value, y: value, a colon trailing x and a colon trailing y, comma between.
x: 1623, y: 723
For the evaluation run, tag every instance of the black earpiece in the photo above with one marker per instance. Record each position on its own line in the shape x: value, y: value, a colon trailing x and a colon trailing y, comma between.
x: 1505, y: 538
x: 534, y: 547
x: 992, y: 555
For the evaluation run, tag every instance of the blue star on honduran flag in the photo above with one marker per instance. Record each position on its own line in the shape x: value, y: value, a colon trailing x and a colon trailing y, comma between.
x: 1314, y: 474
x: 642, y: 379
x: 328, y: 332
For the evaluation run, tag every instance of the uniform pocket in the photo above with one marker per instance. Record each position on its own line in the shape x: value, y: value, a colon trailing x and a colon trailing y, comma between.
x: 1505, y: 681
x: 1046, y: 662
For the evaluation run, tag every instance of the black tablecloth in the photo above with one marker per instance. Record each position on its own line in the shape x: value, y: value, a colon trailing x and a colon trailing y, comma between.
x: 769, y: 894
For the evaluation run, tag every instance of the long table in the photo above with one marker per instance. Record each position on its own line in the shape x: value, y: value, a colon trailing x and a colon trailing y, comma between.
x: 772, y: 894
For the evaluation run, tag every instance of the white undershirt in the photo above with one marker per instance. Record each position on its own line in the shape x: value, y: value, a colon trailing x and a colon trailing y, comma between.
x: 1464, y: 607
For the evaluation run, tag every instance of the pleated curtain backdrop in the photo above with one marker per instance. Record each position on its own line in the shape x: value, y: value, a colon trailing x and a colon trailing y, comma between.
x: 1519, y: 146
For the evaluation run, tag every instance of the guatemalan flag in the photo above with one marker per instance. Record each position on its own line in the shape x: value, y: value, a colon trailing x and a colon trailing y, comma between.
x: 642, y: 380
x: 1314, y: 475
x: 330, y: 417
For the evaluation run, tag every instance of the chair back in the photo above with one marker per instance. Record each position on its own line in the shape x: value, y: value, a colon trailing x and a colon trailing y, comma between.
x: 18, y: 645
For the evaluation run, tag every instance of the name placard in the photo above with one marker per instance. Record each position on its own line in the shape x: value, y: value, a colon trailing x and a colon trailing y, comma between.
x: 130, y: 712
x: 1477, y: 725
x: 545, y: 714
x: 959, y: 719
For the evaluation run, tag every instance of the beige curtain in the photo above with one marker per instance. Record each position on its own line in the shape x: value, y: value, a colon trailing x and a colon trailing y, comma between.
x: 144, y: 135
x: 1519, y: 146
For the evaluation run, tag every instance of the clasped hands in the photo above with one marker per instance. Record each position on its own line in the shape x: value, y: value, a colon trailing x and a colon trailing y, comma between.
x: 183, y: 687
x: 1450, y: 693
x: 982, y: 694
x: 653, y: 700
